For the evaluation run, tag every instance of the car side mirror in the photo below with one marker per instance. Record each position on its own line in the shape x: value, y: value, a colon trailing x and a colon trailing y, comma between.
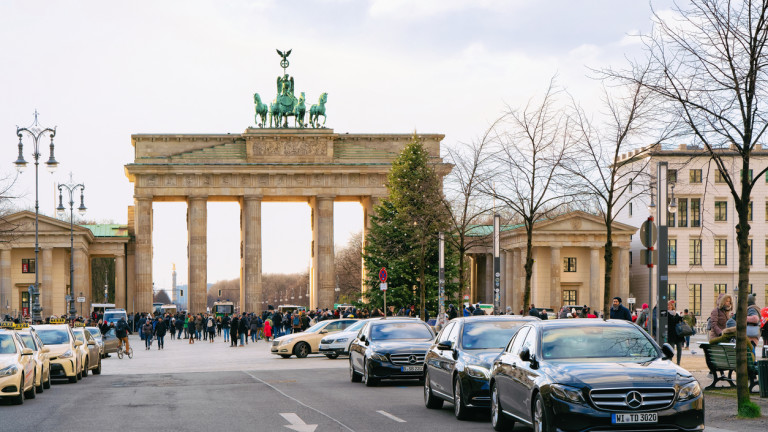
x: 78, y: 343
x: 45, y: 350
x: 27, y: 351
x: 668, y: 352
x: 525, y: 355
x: 444, y: 345
x: 323, y: 331
x: 362, y: 338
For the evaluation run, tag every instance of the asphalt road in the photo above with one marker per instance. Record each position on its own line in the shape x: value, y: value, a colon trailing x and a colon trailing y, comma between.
x: 214, y: 387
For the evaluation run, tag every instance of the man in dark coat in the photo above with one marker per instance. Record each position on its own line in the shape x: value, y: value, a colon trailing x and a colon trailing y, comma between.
x: 533, y: 311
x: 242, y: 329
x: 235, y: 330
x: 618, y: 311
x: 160, y: 329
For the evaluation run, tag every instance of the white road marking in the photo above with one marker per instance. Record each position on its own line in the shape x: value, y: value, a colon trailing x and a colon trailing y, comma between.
x: 298, y: 401
x: 297, y: 424
x: 395, y: 418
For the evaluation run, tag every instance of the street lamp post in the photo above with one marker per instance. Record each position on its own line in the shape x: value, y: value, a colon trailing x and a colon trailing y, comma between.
x: 36, y: 132
x: 71, y: 187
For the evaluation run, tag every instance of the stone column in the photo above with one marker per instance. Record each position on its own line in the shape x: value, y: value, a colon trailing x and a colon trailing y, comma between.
x: 509, y: 280
x: 251, y: 294
x: 324, y: 281
x: 624, y: 273
x: 46, y: 281
x: 120, y: 295
x: 555, y: 291
x: 488, y: 279
x: 82, y: 279
x: 521, y: 283
x: 197, y: 228
x: 143, y: 260
x: 594, y: 288
x: 5, y: 282
x: 516, y: 288
x: 369, y: 205
x: 472, y: 278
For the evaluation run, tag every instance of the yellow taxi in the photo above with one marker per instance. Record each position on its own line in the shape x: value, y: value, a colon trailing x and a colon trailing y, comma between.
x: 17, y: 368
x: 43, y: 364
x: 308, y: 341
x: 65, y: 363
x: 90, y: 356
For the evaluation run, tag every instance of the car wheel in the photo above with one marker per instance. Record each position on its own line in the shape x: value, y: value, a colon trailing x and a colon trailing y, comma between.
x: 32, y: 392
x: 285, y: 355
x: 354, y: 376
x: 369, y: 381
x: 301, y: 350
x: 97, y: 371
x: 40, y: 388
x: 430, y: 400
x: 18, y: 400
x: 460, y: 410
x: 47, y: 383
x: 541, y: 421
x: 85, y: 367
x: 498, y: 420
x: 73, y: 378
x: 332, y: 356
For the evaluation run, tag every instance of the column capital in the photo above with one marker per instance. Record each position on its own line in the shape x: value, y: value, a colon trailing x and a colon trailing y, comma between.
x: 143, y: 198
x: 197, y: 198
x: 325, y: 197
x: 253, y: 197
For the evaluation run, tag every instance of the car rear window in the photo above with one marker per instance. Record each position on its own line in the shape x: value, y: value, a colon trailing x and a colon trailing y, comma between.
x: 53, y: 336
x: 7, y: 346
x: 414, y: 330
x: 488, y: 334
x: 29, y: 341
x: 596, y: 342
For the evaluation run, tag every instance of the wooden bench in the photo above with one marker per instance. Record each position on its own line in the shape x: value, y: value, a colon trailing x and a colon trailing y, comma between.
x: 721, y: 358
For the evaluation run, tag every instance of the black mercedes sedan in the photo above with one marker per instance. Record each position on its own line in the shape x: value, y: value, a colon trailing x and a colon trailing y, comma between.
x: 592, y: 375
x: 458, y: 364
x: 391, y: 348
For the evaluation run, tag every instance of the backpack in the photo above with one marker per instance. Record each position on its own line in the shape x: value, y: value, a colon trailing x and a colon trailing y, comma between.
x: 709, y: 324
x: 296, y: 321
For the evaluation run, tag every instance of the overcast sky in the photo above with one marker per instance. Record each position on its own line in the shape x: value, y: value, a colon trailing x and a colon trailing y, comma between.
x: 101, y: 71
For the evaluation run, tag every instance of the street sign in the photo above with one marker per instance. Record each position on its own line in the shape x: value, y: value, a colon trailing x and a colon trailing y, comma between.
x: 631, y: 300
x: 466, y: 297
x: 383, y: 286
x: 81, y: 299
x: 648, y: 225
x: 383, y: 274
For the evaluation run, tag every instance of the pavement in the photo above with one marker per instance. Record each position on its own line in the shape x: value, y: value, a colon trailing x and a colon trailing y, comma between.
x: 215, y: 387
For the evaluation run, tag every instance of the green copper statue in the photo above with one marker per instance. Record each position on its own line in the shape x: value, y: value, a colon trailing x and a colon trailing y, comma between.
x: 318, y: 110
x: 261, y: 110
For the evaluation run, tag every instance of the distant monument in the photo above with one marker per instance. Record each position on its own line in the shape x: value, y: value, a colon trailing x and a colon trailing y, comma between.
x: 286, y: 104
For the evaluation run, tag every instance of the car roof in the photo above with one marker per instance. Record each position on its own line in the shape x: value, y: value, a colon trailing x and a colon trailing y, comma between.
x: 496, y: 318
x: 570, y: 322
x: 50, y: 326
x: 397, y: 320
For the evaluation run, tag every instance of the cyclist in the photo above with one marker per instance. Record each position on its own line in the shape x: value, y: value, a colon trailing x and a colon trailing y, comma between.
x: 122, y: 334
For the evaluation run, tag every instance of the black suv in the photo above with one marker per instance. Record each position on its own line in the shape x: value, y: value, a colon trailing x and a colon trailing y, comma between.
x: 458, y: 364
x: 391, y: 348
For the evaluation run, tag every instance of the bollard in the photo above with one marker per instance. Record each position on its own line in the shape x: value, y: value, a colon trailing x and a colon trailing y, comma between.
x: 762, y: 377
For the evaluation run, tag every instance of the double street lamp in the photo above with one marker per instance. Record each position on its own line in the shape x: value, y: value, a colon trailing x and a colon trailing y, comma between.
x: 36, y: 132
x: 71, y: 187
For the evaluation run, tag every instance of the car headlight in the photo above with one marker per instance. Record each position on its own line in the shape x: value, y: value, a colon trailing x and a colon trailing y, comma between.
x: 379, y: 357
x: 342, y: 340
x: 66, y: 354
x: 689, y: 391
x: 9, y: 370
x: 566, y: 393
x: 478, y: 372
x: 326, y: 341
x: 286, y: 341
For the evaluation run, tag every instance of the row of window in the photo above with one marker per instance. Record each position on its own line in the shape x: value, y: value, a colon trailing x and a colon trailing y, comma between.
x: 694, y: 295
x: 694, y: 252
x: 695, y: 176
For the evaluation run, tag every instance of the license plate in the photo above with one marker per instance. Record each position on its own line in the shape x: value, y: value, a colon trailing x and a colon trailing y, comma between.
x: 411, y: 368
x: 635, y: 418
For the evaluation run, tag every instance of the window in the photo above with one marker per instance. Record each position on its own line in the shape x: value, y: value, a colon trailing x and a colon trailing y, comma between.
x: 694, y: 298
x: 694, y: 176
x: 671, y: 219
x: 766, y: 254
x: 181, y: 293
x: 721, y: 211
x: 694, y: 252
x: 672, y: 291
x: 721, y: 252
x: 719, y: 177
x: 672, y: 176
x: 569, y: 265
x: 695, y: 212
x: 749, y: 211
x: 570, y: 298
x: 672, y: 249
x: 682, y: 210
x: 630, y: 256
x: 630, y: 185
x: 28, y: 265
x: 720, y: 289
x: 749, y: 175
x: 630, y: 209
x: 750, y: 251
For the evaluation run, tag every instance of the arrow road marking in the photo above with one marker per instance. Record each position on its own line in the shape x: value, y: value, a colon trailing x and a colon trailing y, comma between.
x: 395, y: 418
x: 297, y: 424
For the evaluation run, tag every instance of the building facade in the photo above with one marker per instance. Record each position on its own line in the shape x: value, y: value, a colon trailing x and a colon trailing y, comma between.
x: 703, y: 254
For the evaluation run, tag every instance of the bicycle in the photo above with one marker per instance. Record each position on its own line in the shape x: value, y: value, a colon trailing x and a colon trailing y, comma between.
x: 121, y: 352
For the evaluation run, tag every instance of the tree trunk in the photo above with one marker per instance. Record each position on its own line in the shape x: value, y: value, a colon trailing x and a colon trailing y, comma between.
x: 742, y: 238
x: 608, y: 256
x: 528, y: 265
x: 422, y: 285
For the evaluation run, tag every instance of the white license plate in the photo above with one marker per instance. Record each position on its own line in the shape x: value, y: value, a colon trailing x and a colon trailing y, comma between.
x: 411, y: 368
x: 635, y: 418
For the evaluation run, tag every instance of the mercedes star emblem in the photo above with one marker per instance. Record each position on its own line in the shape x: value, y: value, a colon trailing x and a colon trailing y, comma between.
x: 634, y: 399
x: 412, y: 359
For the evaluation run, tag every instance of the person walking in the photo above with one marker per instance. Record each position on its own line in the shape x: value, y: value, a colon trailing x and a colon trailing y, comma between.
x: 255, y: 328
x: 267, y: 329
x: 211, y: 326
x: 179, y: 326
x: 753, y: 321
x: 619, y: 311
x: 242, y: 330
x: 160, y: 330
x: 689, y: 319
x: 146, y: 329
x: 225, y: 327
x: 672, y: 337
x: 234, y: 331
x: 191, y: 329
x: 199, y: 327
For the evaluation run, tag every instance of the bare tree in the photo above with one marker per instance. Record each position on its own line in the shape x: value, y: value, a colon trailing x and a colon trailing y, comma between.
x: 349, y: 267
x: 464, y: 198
x: 527, y: 167
x: 609, y: 181
x: 709, y: 65
x: 162, y: 297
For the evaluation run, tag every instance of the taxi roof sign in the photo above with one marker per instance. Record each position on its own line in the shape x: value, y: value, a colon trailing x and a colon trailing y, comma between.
x: 21, y: 326
x: 79, y: 324
x: 57, y: 321
x: 7, y: 324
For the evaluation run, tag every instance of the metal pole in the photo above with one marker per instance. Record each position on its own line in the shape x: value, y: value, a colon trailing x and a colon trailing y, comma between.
x: 649, y: 260
x: 441, y: 281
x: 72, y: 309
x: 496, y: 265
x: 661, y: 286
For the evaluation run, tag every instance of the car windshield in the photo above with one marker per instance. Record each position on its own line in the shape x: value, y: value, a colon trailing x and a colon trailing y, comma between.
x: 53, y: 337
x: 576, y: 342
x: 29, y: 341
x: 94, y: 332
x: 355, y: 327
x: 79, y: 336
x: 316, y: 327
x: 113, y: 317
x: 488, y: 334
x: 6, y: 344
x: 411, y: 330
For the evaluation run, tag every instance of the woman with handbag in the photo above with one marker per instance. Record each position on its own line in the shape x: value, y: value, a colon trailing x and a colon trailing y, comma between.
x: 753, y: 322
x: 675, y: 325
